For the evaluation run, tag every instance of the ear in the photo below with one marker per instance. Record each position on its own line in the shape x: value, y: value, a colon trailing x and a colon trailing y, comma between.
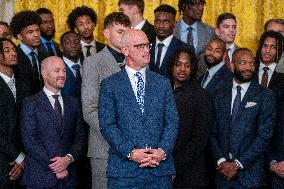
x: 124, y: 51
x: 106, y: 33
x: 76, y: 30
x: 61, y: 48
x: 217, y: 32
x: 19, y: 36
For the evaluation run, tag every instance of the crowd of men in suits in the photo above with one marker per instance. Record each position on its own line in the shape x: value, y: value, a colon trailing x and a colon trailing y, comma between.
x: 176, y: 104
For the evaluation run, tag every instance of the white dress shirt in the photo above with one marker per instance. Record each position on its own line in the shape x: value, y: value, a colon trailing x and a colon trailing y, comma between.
x: 93, y: 49
x: 140, y: 25
x: 271, y: 67
x: 8, y: 80
x: 232, y: 48
x: 212, y: 71
x: 71, y: 63
x: 133, y: 79
x: 52, y: 100
x: 166, y: 43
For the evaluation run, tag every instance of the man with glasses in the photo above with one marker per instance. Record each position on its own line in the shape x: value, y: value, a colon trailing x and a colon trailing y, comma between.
x: 139, y: 120
x: 190, y: 29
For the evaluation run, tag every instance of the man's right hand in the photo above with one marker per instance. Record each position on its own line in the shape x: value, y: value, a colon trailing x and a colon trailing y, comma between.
x: 62, y: 175
x: 278, y: 168
x: 143, y: 157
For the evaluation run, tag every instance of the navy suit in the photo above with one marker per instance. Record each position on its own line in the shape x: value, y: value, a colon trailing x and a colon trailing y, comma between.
x: 124, y: 127
x: 247, y: 137
x: 72, y: 86
x: 164, y: 69
x: 45, y: 138
x: 222, y: 76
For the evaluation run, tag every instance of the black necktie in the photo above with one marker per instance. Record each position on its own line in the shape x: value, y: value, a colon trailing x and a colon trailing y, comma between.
x: 76, y: 67
x: 88, y: 50
x: 49, y: 48
x: 160, y: 48
x: 190, y: 36
x: 57, y: 106
x: 237, y: 103
x: 34, y: 63
x: 205, y: 77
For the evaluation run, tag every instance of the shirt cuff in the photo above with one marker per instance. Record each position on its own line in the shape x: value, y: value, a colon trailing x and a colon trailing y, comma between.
x: 221, y: 160
x: 239, y: 164
x: 164, y: 153
x: 273, y: 161
x: 71, y: 157
x: 20, y: 158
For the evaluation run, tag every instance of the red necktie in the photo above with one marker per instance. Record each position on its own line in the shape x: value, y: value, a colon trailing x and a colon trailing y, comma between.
x: 264, y: 79
x: 227, y: 60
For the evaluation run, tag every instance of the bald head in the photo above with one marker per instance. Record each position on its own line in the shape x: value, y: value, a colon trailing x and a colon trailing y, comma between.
x: 54, y: 73
x: 130, y: 35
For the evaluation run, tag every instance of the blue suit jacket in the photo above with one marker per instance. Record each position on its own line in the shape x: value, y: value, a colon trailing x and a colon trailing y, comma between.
x: 164, y: 69
x: 44, y: 138
x: 124, y: 127
x: 72, y: 86
x: 248, y: 136
x: 222, y: 76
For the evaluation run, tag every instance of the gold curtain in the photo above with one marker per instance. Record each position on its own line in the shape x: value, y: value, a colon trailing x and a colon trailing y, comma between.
x: 251, y: 15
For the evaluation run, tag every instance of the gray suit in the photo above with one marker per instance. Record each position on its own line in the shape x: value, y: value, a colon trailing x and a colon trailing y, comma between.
x: 204, y: 33
x: 280, y: 65
x: 95, y: 69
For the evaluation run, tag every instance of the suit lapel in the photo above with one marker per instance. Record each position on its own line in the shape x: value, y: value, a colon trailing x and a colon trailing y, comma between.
x: 168, y: 53
x: 66, y: 110
x: 215, y: 79
x: 149, y: 92
x: 200, y: 37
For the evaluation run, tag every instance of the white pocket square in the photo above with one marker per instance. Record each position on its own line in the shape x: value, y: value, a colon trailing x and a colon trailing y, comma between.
x: 250, y: 104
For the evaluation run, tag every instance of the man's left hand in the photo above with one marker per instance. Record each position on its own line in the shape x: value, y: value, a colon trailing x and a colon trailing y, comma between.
x: 59, y: 164
x: 157, y: 155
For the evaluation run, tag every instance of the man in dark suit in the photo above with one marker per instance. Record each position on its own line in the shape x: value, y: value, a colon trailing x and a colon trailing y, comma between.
x: 96, y: 68
x: 5, y: 31
x: 25, y: 27
x: 190, y: 29
x: 83, y: 21
x: 138, y: 119
x: 12, y: 92
x: 245, y: 119
x: 47, y: 31
x: 165, y: 42
x: 271, y: 45
x: 217, y: 73
x: 52, y: 132
x: 134, y: 9
x: 190, y: 153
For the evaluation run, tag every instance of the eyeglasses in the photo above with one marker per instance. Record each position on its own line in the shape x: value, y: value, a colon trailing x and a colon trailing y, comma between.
x: 143, y: 46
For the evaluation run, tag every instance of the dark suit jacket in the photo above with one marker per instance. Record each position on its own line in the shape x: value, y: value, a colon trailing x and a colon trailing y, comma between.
x: 124, y: 127
x: 195, y: 119
x: 149, y: 30
x: 248, y: 136
x: 164, y: 69
x: 10, y: 142
x: 45, y: 138
x: 99, y: 46
x: 24, y: 70
x: 222, y: 76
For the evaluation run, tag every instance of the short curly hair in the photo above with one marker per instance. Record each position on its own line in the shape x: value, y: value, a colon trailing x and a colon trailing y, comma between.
x: 80, y: 11
x: 22, y: 20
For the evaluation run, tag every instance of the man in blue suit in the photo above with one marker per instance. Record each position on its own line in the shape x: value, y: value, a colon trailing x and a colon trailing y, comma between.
x: 245, y: 119
x: 165, y: 42
x: 52, y: 132
x: 217, y: 72
x: 138, y: 119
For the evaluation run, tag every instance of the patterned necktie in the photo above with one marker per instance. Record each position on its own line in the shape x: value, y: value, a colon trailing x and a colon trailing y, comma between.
x: 237, y: 103
x: 264, y: 79
x: 34, y: 63
x: 227, y: 60
x: 76, y: 67
x: 88, y: 53
x: 160, y: 48
x: 140, y: 91
x: 189, y: 36
x: 205, y: 77
x: 12, y: 87
x: 57, y: 106
x: 49, y: 49
x: 78, y: 81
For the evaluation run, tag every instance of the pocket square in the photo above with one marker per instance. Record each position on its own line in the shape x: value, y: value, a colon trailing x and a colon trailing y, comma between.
x: 250, y: 104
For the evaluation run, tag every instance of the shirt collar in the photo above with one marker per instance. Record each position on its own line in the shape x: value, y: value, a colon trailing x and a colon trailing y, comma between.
x: 232, y: 46
x: 131, y: 72
x: 271, y: 66
x: 6, y: 78
x: 83, y: 43
x: 140, y: 25
x: 215, y: 68
x: 184, y: 26
x: 244, y: 86
x: 166, y: 41
x: 27, y: 50
x: 49, y: 93
x: 43, y: 40
x: 70, y: 63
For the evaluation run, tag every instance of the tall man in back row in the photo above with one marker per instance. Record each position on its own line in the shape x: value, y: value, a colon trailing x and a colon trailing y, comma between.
x: 138, y: 119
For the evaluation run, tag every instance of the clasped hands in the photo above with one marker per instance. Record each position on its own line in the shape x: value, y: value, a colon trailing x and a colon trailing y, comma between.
x: 147, y: 157
x: 59, y: 167
x: 278, y: 168
x: 228, y: 169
